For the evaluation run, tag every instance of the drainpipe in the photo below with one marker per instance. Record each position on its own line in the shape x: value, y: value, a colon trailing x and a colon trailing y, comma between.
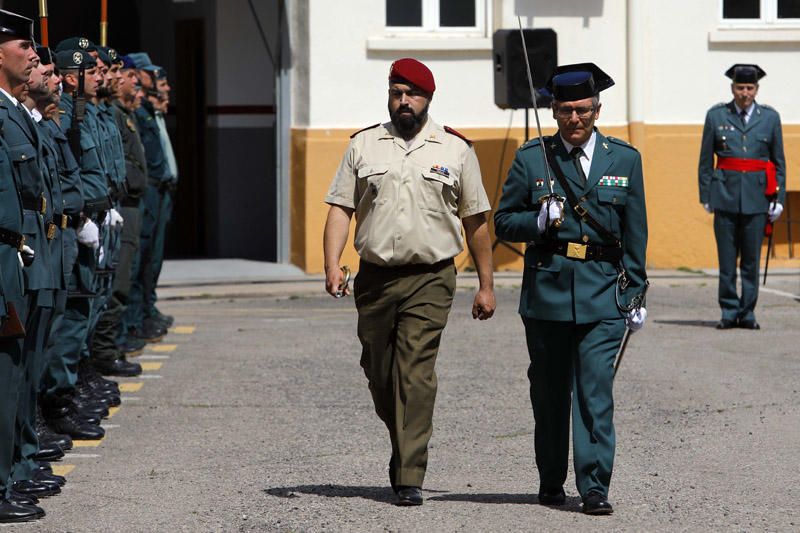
x: 635, y: 65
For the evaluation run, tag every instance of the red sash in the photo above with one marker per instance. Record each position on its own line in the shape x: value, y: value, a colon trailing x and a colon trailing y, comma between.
x: 740, y: 164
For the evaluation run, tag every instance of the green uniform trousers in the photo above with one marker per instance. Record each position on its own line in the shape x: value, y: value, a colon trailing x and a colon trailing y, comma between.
x: 738, y: 236
x: 402, y: 312
x: 11, y: 370
x: 26, y: 440
x: 159, y: 241
x: 573, y: 363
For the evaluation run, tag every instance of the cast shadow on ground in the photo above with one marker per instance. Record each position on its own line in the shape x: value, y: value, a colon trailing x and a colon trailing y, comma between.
x: 378, y: 494
x: 696, y: 323
x: 573, y: 503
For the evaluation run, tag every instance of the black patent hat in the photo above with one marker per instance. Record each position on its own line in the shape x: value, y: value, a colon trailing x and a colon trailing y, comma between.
x: 14, y: 25
x: 745, y: 73
x: 45, y: 55
x: 578, y: 81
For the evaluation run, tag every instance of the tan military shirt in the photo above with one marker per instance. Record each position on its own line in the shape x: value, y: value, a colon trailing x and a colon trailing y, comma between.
x: 409, y: 202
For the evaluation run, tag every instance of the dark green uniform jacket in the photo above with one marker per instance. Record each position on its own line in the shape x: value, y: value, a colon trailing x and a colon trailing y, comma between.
x: 725, y: 135
x: 135, y: 160
x: 563, y: 289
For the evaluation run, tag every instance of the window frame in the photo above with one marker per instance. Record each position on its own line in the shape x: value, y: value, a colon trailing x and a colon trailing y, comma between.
x: 769, y: 18
x: 431, y: 23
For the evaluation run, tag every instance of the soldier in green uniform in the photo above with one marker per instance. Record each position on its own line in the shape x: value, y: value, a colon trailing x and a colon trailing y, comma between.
x: 13, y: 304
x: 411, y: 183
x: 575, y: 272
x: 746, y: 188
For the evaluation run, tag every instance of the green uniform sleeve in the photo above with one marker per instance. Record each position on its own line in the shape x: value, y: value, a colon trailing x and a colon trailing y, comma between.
x: 706, y: 167
x: 634, y: 231
x: 515, y: 219
x: 777, y: 157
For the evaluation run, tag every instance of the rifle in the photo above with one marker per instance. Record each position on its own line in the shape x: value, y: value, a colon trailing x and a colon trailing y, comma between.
x: 78, y: 113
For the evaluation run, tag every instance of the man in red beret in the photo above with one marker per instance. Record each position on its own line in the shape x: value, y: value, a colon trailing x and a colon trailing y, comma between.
x: 411, y: 184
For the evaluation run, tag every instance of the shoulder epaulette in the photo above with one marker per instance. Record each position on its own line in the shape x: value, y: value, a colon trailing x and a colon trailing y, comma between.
x: 720, y: 104
x: 766, y: 106
x: 451, y: 131
x: 365, y: 129
x: 622, y: 143
x: 535, y: 142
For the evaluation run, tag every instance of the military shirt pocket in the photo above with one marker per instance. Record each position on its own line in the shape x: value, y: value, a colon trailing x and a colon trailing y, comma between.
x: 612, y: 201
x: 437, y: 192
x: 370, y: 181
x: 22, y: 154
x: 612, y: 195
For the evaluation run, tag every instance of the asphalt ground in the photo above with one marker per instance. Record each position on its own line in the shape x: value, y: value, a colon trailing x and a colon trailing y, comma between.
x: 254, y: 415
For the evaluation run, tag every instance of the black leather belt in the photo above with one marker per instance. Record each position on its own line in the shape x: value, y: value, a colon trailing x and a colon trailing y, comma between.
x: 35, y: 204
x: 405, y: 270
x: 12, y: 238
x: 130, y: 201
x: 96, y: 205
x: 583, y: 252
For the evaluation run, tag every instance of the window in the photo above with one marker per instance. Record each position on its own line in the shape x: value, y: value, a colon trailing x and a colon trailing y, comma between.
x: 455, y: 16
x: 761, y: 12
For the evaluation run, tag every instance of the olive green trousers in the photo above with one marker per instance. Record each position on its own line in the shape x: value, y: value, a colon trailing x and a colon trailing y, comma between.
x: 402, y: 312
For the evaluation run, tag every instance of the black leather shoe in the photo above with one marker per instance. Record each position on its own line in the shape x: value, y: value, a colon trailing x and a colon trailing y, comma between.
x: 49, y: 479
x: 40, y: 490
x: 726, y: 324
x: 596, y: 504
x: 49, y: 439
x: 17, y: 497
x: 117, y: 367
x: 50, y: 453
x: 391, y: 475
x: 76, y: 428
x: 407, y: 496
x: 749, y: 324
x: 552, y: 496
x: 133, y: 347
x: 149, y: 332
x: 11, y: 512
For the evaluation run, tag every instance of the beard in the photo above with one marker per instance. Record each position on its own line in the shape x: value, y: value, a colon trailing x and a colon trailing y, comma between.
x: 103, y: 91
x: 408, y: 123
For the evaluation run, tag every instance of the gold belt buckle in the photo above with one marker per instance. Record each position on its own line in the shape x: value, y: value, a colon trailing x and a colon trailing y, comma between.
x: 43, y: 206
x: 576, y: 250
x: 51, y: 231
x: 64, y: 221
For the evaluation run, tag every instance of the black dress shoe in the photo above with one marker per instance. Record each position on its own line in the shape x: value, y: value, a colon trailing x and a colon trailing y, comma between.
x: 17, y: 497
x: 49, y: 479
x: 552, y: 496
x: 596, y: 504
x: 11, y: 512
x: 40, y: 490
x: 76, y: 428
x: 749, y: 324
x: 117, y: 367
x: 166, y: 320
x: 133, y: 347
x: 407, y: 496
x: 391, y: 475
x: 726, y: 324
x: 50, y: 453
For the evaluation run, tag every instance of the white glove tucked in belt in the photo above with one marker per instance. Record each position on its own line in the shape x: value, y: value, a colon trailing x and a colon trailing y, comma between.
x: 26, y: 256
x: 113, y: 218
x: 635, y: 319
x: 89, y: 234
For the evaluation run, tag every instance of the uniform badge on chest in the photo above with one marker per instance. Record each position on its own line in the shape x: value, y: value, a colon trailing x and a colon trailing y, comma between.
x: 441, y: 170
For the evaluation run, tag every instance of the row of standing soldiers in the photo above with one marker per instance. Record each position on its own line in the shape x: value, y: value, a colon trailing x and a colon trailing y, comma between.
x: 87, y: 174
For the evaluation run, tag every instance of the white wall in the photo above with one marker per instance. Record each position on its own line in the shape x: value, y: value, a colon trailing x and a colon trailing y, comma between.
x: 682, y: 71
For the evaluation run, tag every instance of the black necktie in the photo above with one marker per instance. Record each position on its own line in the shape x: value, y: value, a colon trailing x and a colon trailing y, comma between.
x: 743, y: 116
x: 576, y: 154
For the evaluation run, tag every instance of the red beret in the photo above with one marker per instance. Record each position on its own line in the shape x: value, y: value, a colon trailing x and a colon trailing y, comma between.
x: 414, y: 72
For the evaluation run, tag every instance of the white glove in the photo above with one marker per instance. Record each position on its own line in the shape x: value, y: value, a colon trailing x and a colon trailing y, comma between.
x: 708, y: 208
x: 775, y: 210
x: 115, y: 218
x: 101, y: 256
x: 89, y: 234
x: 26, y: 256
x: 556, y: 213
x: 635, y: 319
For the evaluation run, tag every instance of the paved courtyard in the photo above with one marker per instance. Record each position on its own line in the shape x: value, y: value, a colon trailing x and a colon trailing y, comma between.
x: 253, y: 415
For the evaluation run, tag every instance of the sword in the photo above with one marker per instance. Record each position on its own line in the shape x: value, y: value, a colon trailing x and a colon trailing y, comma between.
x: 621, y: 353
x: 529, y: 70
x: 768, y: 231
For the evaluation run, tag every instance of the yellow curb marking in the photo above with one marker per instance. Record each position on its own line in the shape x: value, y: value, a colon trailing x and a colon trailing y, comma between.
x: 183, y: 330
x: 88, y: 443
x: 130, y: 387
x: 113, y: 410
x: 62, y: 470
x: 151, y: 366
x: 163, y: 347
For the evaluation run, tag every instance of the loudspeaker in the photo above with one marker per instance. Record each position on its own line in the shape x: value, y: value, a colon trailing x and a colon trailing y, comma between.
x: 511, y: 89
